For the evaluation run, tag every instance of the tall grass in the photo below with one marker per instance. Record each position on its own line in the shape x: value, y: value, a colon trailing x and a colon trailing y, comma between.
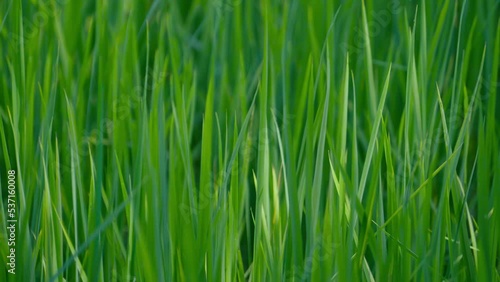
x: 233, y: 140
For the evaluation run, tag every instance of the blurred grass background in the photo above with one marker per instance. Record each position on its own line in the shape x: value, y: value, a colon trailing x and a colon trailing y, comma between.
x: 232, y: 140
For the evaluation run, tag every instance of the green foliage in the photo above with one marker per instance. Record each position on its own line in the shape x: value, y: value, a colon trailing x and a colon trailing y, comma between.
x: 234, y: 140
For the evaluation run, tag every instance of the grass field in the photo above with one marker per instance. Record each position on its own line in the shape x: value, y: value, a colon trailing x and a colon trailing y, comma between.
x: 238, y: 140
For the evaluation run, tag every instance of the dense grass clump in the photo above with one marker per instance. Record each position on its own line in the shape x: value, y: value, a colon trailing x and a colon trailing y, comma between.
x: 234, y: 140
